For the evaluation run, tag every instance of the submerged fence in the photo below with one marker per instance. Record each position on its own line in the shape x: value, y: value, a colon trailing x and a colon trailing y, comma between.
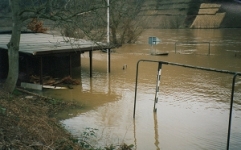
x: 160, y: 63
x: 192, y: 43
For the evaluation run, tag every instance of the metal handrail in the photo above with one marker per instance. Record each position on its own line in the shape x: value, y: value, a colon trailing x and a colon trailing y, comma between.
x: 189, y: 42
x: 235, y: 74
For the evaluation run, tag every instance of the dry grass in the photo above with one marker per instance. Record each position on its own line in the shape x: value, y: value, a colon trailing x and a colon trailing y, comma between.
x: 208, y: 21
x: 210, y: 11
x: 209, y: 5
x: 208, y: 16
x: 27, y: 123
x: 36, y: 25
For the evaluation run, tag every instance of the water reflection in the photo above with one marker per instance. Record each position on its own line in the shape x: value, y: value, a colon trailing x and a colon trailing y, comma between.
x: 156, y: 131
x: 193, y: 108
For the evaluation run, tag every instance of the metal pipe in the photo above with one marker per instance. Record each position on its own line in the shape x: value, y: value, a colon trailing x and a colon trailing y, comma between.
x: 108, y: 22
x: 200, y: 68
x: 137, y: 66
x: 230, y: 111
x: 175, y: 64
x: 108, y: 35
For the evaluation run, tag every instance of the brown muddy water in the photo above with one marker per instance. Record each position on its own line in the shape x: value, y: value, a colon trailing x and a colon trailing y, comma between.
x: 193, y: 108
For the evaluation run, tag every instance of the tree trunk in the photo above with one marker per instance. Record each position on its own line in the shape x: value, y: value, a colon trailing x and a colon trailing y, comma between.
x: 13, y: 47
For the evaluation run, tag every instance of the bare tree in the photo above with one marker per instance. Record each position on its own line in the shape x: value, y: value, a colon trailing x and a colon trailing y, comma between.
x: 13, y: 46
x: 82, y: 18
x: 59, y: 11
x: 126, y: 23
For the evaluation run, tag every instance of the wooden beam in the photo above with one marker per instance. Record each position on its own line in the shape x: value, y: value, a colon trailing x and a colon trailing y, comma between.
x: 80, y: 59
x: 90, y: 55
x: 70, y: 65
x: 108, y: 60
x: 31, y: 86
x: 41, y: 71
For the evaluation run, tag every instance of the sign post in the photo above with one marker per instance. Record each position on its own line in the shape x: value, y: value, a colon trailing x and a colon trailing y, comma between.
x: 153, y: 41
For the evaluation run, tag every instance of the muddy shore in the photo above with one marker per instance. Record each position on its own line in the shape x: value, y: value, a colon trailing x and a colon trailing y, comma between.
x: 27, y: 122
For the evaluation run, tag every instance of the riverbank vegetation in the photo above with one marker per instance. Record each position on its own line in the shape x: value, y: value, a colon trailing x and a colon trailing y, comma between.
x: 27, y: 122
x: 79, y: 19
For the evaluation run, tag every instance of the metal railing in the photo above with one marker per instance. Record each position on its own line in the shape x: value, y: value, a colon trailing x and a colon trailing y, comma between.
x: 160, y: 63
x: 192, y: 43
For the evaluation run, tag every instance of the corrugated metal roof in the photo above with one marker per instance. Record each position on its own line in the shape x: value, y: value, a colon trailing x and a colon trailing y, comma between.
x: 41, y: 44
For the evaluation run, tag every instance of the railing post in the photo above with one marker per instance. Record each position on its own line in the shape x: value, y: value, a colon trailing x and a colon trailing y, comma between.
x: 157, y: 85
x: 193, y: 67
x: 230, y: 112
x: 137, y: 65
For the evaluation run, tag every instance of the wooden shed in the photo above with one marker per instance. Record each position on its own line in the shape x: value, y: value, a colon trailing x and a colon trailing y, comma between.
x: 45, y: 53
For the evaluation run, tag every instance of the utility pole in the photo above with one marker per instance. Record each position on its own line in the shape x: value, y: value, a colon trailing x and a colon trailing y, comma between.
x: 108, y: 22
x: 108, y: 35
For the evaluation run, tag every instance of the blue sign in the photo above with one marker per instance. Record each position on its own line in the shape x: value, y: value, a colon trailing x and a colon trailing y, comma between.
x: 153, y: 40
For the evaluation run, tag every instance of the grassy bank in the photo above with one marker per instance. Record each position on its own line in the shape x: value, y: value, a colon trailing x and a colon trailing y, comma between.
x: 27, y: 123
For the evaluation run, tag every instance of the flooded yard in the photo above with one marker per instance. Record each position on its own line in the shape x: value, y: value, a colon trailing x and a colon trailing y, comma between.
x: 193, y: 106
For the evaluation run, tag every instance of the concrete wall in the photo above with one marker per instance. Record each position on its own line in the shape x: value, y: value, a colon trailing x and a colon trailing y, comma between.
x: 208, y: 16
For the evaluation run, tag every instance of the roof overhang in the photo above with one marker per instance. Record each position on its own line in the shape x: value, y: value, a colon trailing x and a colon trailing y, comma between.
x: 44, y: 44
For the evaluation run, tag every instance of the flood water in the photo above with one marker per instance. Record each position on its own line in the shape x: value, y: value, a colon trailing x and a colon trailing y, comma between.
x: 193, y: 107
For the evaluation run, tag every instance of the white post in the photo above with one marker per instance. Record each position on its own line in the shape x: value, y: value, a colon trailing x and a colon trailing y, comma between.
x: 108, y: 32
x: 108, y: 22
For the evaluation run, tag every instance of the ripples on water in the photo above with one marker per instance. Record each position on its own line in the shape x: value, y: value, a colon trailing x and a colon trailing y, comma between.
x: 193, y: 108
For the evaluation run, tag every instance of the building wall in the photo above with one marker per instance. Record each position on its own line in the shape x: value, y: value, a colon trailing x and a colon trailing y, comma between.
x: 3, y: 63
x: 53, y: 65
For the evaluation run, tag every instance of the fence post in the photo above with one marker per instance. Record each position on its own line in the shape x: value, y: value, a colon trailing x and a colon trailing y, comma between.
x: 157, y: 84
x: 230, y: 111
